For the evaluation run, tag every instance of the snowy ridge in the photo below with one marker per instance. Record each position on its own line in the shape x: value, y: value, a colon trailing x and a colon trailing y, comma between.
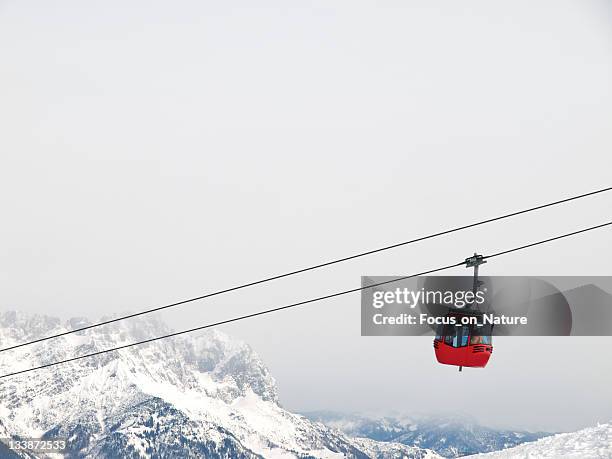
x: 193, y: 396
x: 589, y: 443
x: 377, y: 449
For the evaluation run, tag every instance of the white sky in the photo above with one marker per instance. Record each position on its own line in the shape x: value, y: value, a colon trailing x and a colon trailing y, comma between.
x: 153, y: 151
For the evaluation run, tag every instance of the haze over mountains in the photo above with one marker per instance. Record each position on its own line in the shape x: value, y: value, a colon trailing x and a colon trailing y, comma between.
x: 449, y: 436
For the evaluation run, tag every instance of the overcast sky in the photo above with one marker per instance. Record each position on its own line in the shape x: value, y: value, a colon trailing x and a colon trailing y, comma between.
x: 153, y: 151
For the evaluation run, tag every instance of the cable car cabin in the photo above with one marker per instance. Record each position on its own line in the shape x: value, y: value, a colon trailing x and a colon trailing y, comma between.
x: 463, y: 345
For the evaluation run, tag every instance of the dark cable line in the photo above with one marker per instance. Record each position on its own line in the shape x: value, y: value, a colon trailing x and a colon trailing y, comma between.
x: 310, y: 268
x: 293, y: 305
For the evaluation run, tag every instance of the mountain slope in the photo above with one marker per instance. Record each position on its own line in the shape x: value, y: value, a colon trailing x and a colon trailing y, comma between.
x: 192, y: 396
x: 590, y: 443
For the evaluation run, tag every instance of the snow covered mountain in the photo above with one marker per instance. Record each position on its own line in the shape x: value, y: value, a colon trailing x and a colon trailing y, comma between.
x: 191, y: 396
x: 447, y: 436
x: 590, y: 443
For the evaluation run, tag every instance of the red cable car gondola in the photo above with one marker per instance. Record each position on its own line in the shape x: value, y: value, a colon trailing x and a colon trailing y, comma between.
x: 464, y: 340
